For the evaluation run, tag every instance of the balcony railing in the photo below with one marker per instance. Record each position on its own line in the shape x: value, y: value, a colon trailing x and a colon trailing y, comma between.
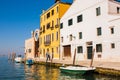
x: 47, y: 43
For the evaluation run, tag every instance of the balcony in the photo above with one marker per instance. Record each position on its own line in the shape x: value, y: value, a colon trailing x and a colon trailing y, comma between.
x: 47, y: 43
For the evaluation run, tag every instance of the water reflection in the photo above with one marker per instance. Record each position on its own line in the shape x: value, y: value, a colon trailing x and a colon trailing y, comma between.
x: 19, y: 71
x: 41, y: 72
x: 46, y: 72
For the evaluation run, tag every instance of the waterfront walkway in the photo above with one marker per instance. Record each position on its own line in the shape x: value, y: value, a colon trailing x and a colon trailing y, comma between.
x: 101, y: 64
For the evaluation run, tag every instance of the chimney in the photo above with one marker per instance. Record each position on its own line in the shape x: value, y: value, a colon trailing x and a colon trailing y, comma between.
x: 57, y: 1
x: 32, y: 33
x: 43, y: 11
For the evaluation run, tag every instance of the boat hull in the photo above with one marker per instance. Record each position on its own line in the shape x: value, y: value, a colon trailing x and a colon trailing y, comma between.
x: 18, y: 60
x: 76, y: 70
x: 29, y: 62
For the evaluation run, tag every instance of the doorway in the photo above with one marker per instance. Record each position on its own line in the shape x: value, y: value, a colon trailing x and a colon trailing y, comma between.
x: 67, y: 51
x: 89, y: 52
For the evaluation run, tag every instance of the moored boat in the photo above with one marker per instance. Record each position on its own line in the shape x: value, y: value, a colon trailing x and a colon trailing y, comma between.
x: 18, y: 59
x: 76, y: 70
x: 29, y: 62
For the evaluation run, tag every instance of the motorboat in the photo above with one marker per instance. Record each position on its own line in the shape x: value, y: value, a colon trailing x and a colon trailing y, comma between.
x: 18, y: 59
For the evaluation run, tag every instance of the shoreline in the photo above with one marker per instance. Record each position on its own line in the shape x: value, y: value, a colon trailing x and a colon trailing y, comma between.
x: 104, y: 70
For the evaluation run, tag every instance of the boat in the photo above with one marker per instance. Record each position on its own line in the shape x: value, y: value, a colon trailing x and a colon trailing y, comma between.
x: 18, y: 59
x: 29, y: 61
x: 77, y: 69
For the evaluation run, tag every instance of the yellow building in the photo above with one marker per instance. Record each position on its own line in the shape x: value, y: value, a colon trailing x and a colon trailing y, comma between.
x: 50, y: 29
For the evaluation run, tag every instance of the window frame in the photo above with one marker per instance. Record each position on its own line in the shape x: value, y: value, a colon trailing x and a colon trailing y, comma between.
x: 70, y: 22
x: 99, y: 31
x: 80, y: 35
x: 98, y: 11
x: 99, y: 48
x: 80, y: 49
x: 79, y: 18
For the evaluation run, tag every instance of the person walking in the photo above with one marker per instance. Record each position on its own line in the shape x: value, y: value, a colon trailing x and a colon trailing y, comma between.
x: 47, y: 55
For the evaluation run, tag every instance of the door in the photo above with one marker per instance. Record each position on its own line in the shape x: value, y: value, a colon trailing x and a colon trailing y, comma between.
x: 89, y: 52
x: 67, y: 51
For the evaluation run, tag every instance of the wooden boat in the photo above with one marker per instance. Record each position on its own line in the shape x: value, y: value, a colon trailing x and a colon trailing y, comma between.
x: 76, y: 70
x: 18, y: 59
x: 29, y: 62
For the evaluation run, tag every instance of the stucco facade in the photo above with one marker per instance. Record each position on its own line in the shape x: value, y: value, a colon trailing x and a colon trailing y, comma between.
x: 50, y: 29
x: 88, y: 25
x: 32, y: 45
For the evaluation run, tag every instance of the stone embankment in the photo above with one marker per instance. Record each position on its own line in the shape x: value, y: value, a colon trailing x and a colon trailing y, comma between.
x: 107, y: 68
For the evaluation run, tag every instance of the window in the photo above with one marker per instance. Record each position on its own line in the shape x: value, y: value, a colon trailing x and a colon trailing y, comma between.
x: 79, y: 18
x: 61, y: 39
x: 70, y: 22
x: 99, y: 31
x: 118, y: 10
x: 98, y: 47
x: 52, y: 24
x: 61, y: 25
x: 43, y: 28
x: 56, y: 35
x: 52, y: 12
x: 98, y: 11
x: 52, y: 36
x: 57, y: 21
x: 29, y: 50
x: 71, y: 37
x: 80, y: 35
x: 57, y: 9
x: 80, y: 49
x: 48, y: 25
x: 48, y: 15
x: 48, y: 39
x: 57, y: 49
x: 112, y: 30
x: 112, y: 45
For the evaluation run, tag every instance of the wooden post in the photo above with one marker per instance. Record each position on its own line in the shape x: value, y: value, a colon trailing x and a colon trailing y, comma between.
x: 92, y: 57
x: 74, y: 57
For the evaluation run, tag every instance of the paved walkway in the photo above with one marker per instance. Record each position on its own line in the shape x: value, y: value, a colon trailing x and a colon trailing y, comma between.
x: 109, y: 65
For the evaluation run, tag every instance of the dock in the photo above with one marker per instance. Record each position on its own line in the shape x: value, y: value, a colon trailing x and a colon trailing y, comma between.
x: 102, y: 67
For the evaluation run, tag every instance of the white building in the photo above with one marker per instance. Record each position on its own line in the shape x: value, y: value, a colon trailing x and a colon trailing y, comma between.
x: 88, y: 25
x: 32, y: 45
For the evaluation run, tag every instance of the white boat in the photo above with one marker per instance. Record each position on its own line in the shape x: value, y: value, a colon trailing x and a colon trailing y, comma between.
x: 77, y: 69
x: 18, y: 59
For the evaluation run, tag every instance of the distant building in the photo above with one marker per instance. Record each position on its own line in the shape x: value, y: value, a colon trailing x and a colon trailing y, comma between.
x: 50, y: 29
x: 32, y: 45
x: 88, y: 25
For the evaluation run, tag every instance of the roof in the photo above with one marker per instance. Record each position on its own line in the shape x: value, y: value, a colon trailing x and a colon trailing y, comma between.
x: 55, y: 5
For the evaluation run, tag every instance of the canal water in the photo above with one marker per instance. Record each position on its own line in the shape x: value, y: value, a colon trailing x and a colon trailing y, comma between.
x: 18, y: 71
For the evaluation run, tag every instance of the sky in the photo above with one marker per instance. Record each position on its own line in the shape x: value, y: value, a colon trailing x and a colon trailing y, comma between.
x: 17, y: 19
